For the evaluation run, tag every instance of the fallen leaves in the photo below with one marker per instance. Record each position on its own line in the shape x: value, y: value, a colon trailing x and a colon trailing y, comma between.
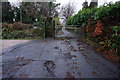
x: 69, y: 76
x: 72, y: 56
x: 13, y: 69
x: 110, y: 54
x: 72, y: 49
x: 45, y: 41
x: 79, y: 73
x: 101, y: 43
x: 23, y: 75
x: 74, y: 62
x: 56, y: 47
x: 94, y: 73
x: 81, y: 49
x: 77, y: 67
x: 75, y: 50
x: 68, y: 55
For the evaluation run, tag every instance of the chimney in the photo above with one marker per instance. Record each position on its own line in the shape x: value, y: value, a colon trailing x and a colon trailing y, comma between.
x: 93, y: 3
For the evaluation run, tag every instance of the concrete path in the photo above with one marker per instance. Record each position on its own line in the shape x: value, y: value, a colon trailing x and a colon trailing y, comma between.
x: 56, y: 58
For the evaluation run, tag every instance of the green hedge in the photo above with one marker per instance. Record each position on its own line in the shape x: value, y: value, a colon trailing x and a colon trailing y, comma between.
x: 103, y: 21
x: 32, y: 33
x: 96, y: 13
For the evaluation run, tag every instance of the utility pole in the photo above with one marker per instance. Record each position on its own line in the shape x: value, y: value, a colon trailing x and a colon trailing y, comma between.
x: 36, y: 16
x: 21, y: 11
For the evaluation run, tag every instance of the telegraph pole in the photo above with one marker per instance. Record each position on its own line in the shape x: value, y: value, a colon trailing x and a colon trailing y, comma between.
x: 21, y: 11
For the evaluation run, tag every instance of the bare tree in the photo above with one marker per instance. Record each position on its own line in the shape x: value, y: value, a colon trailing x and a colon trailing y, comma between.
x: 67, y: 10
x: 48, y: 9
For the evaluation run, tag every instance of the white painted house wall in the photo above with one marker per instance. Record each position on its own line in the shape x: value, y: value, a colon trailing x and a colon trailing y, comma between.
x: 94, y: 0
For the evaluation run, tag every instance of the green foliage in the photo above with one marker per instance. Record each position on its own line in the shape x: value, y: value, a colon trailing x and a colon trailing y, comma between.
x: 115, y: 38
x: 81, y: 17
x: 22, y: 31
x: 109, y: 10
x: 57, y: 21
x: 103, y: 21
x: 39, y: 11
x: 96, y: 13
x: 22, y: 34
x: 7, y: 12
x: 116, y: 29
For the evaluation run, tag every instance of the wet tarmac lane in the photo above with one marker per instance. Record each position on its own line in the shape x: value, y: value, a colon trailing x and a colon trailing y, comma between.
x: 56, y: 58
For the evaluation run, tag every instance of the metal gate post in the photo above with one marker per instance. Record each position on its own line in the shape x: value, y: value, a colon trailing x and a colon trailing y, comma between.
x: 53, y: 29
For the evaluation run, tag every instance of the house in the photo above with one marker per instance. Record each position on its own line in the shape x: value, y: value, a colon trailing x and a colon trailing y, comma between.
x: 93, y: 3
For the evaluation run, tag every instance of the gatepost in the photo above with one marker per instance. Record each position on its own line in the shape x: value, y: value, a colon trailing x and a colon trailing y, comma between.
x: 49, y: 28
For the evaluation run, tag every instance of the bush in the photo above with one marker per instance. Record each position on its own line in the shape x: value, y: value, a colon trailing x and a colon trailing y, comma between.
x: 24, y: 33
x: 81, y: 17
x: 19, y: 26
x: 15, y: 26
x: 102, y: 25
x: 111, y: 10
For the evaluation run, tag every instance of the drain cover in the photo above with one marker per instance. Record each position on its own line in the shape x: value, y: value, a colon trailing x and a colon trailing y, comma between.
x: 49, y: 65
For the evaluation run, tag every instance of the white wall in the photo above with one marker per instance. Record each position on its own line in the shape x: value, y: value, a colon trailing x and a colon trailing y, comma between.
x: 94, y: 0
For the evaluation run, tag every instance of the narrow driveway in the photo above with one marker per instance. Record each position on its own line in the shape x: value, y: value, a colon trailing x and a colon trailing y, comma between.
x: 56, y: 58
x: 65, y: 33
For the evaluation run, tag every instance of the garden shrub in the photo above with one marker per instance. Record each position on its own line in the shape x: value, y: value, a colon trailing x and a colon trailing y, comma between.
x: 21, y: 31
x: 19, y: 26
x: 102, y: 25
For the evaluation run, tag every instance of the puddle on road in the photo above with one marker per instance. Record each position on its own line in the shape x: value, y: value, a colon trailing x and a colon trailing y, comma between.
x: 50, y: 66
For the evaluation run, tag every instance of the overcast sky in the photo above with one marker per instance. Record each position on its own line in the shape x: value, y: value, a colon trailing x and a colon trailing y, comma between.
x: 78, y: 3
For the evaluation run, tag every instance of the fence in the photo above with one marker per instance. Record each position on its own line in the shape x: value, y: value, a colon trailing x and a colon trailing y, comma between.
x: 77, y: 30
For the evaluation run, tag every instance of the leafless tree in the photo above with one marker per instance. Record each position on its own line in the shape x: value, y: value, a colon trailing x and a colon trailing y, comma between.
x: 67, y: 10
